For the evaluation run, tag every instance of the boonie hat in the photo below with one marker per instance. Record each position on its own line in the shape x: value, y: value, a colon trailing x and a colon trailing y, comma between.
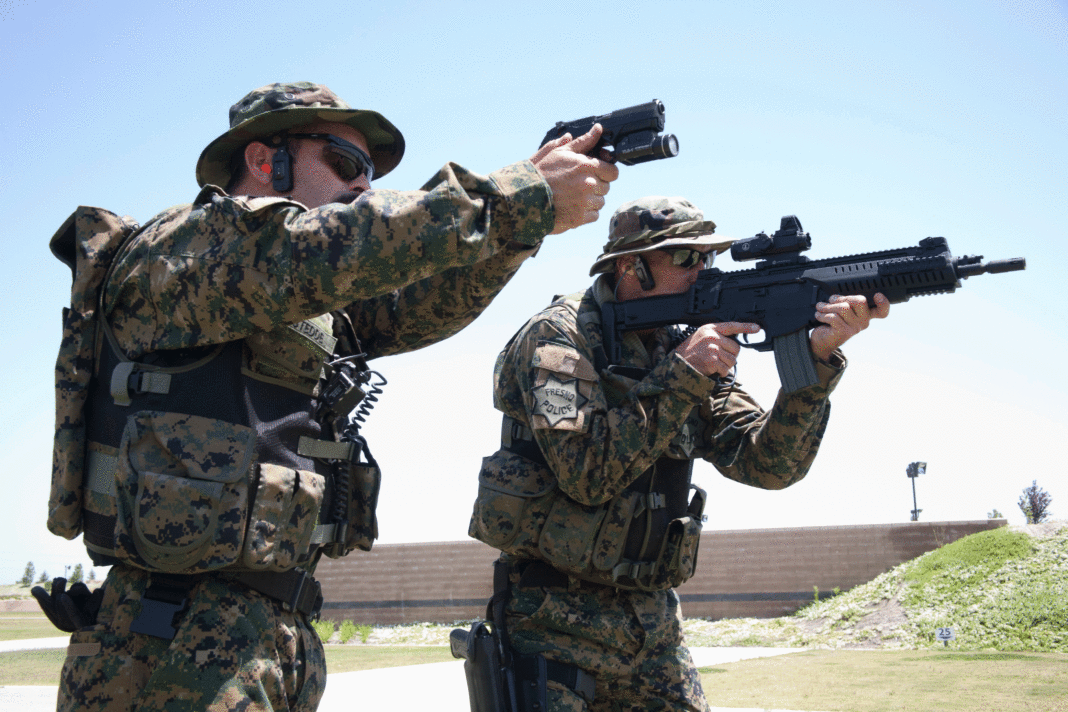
x: 274, y: 108
x: 653, y: 223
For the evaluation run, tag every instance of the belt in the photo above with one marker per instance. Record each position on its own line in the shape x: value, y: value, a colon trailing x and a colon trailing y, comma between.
x: 295, y: 589
x: 167, y: 597
x: 538, y: 574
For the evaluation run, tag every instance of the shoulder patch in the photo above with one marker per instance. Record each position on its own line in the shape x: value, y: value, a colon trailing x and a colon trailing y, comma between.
x: 563, y: 359
x: 558, y: 400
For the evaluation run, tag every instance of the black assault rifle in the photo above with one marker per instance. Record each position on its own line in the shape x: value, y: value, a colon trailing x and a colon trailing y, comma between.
x: 781, y: 293
x: 633, y: 132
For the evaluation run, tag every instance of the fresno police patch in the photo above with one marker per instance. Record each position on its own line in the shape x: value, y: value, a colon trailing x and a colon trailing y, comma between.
x: 558, y: 400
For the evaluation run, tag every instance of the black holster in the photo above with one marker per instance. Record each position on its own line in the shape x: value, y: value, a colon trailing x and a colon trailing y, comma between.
x: 500, y: 680
x: 490, y: 684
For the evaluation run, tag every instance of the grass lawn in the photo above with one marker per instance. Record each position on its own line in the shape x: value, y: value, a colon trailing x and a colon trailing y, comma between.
x: 41, y: 667
x: 31, y: 667
x: 899, y: 680
x: 830, y: 681
x: 349, y: 658
x: 23, y: 626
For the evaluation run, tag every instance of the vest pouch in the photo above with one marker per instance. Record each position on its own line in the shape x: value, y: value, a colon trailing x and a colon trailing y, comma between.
x: 568, y: 532
x: 282, y: 518
x: 612, y: 540
x: 366, y: 479
x: 73, y: 372
x: 514, y: 498
x: 182, y: 492
x: 87, y: 242
x: 678, y: 555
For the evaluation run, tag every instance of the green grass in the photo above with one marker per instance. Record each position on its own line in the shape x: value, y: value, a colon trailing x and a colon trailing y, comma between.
x: 968, y: 561
x: 24, y: 626
x: 885, y: 681
x: 41, y: 667
x: 349, y: 658
x: 833, y: 681
x: 32, y: 667
x: 1000, y: 590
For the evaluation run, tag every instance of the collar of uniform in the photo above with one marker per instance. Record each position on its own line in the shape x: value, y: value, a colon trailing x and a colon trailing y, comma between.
x: 604, y: 293
x: 602, y: 290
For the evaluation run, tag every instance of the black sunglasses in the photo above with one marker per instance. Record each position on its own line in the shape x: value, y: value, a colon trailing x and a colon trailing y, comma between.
x: 686, y: 257
x: 347, y: 159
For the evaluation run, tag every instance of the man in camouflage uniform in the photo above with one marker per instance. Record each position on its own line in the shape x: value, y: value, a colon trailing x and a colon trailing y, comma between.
x: 285, y: 260
x: 588, y: 496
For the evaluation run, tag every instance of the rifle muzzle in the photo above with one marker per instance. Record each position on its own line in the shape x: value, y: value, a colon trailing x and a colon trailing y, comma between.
x: 1013, y: 264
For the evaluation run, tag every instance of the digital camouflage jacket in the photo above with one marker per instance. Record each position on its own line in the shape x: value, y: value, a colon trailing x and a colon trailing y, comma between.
x: 205, y: 449
x: 599, y: 432
x: 408, y: 268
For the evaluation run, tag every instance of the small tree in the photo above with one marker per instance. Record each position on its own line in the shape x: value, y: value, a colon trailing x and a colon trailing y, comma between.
x: 92, y: 574
x: 44, y: 578
x: 27, y: 575
x: 994, y: 514
x: 76, y: 575
x: 1034, y: 503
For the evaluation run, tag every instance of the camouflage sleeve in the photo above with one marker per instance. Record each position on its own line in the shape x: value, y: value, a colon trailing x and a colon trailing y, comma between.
x: 437, y: 307
x: 225, y: 268
x: 617, y: 428
x: 432, y: 309
x: 772, y: 449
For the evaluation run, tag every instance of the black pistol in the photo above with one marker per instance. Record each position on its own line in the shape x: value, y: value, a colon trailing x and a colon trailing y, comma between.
x: 633, y: 133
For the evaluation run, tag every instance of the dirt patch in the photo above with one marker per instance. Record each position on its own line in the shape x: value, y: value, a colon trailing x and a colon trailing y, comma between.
x: 19, y: 605
x: 885, y: 615
x: 877, y: 628
x: 1045, y: 530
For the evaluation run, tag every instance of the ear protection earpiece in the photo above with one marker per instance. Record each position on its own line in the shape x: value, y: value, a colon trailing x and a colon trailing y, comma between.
x: 641, y: 271
x: 282, y: 170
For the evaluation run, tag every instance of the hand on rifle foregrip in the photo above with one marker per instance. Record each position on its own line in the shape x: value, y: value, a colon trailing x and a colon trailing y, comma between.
x: 844, y: 317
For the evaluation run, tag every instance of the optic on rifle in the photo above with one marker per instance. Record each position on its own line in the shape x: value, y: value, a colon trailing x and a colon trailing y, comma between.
x: 789, y: 238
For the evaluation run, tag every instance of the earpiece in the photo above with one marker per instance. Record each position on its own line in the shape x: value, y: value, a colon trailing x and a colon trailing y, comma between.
x: 641, y: 271
x: 282, y: 170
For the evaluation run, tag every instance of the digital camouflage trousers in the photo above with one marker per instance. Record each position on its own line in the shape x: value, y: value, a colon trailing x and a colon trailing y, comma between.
x: 234, y: 649
x: 630, y: 641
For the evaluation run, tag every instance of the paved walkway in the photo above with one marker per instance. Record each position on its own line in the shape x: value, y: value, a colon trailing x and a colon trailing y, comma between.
x: 437, y: 686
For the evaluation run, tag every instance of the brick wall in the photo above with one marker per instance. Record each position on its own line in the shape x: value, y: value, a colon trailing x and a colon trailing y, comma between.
x: 760, y: 573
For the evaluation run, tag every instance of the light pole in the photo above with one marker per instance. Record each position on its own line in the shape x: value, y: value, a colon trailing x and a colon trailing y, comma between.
x: 914, y: 470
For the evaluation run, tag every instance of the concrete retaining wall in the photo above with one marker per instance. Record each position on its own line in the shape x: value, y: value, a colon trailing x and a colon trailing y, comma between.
x: 760, y: 573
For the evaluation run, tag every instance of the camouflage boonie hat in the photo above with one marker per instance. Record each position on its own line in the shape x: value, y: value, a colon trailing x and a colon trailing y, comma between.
x: 654, y: 223
x: 279, y: 107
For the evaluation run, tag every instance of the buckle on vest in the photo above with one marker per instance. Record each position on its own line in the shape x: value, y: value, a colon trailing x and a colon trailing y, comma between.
x: 127, y: 378
x: 512, y: 430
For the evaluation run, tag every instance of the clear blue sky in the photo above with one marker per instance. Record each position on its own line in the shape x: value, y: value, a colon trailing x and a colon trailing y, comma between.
x: 876, y: 123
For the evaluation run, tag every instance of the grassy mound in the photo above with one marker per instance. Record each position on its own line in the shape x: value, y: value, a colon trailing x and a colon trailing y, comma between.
x: 1004, y: 589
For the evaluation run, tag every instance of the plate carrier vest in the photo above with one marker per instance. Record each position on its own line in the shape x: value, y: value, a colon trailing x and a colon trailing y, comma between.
x: 182, y: 462
x: 645, y: 538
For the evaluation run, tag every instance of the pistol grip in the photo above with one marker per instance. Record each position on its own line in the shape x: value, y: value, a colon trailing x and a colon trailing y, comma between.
x: 793, y: 359
x: 459, y: 640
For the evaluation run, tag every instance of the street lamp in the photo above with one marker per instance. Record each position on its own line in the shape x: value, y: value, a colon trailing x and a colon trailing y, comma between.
x: 914, y: 470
